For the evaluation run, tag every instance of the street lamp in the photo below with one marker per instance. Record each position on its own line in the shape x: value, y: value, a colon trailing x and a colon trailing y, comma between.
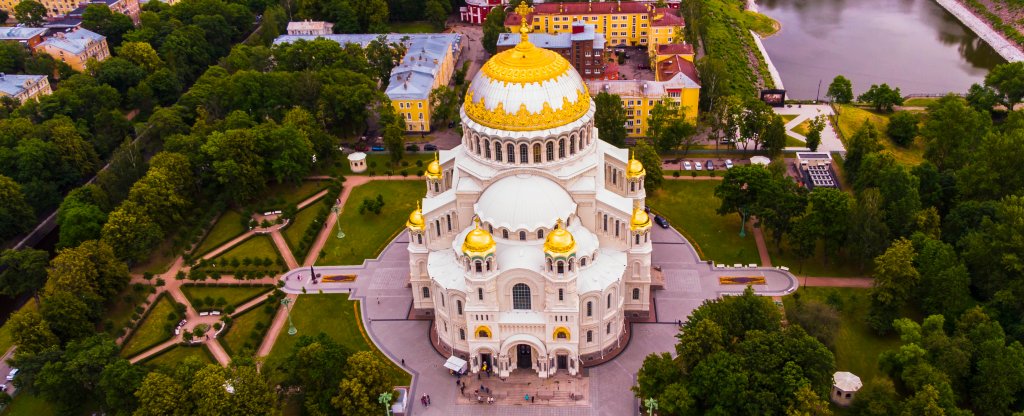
x: 337, y: 215
x: 291, y: 327
x: 385, y: 399
x: 743, y: 215
x: 651, y: 405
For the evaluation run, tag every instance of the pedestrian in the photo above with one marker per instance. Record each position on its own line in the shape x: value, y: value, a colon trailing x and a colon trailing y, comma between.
x: 527, y: 397
x: 403, y: 362
x: 533, y: 399
x: 463, y: 389
x: 428, y: 400
x: 423, y: 400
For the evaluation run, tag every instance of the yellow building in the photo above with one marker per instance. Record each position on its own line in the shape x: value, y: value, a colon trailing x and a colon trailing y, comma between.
x: 622, y: 23
x: 639, y: 97
x: 23, y: 87
x: 77, y: 7
x: 76, y: 48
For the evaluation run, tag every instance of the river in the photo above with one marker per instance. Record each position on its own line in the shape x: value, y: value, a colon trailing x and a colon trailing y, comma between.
x: 915, y: 45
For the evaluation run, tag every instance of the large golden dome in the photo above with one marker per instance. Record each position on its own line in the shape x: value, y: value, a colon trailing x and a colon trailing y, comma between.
x: 416, y: 218
x: 560, y: 241
x: 640, y: 219
x: 526, y: 88
x: 479, y: 242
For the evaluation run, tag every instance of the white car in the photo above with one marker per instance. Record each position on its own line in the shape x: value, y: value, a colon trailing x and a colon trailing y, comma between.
x: 698, y: 166
x: 687, y: 165
x: 12, y: 374
x: 728, y: 163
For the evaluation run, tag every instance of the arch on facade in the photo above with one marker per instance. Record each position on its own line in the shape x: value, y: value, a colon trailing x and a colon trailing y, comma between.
x: 483, y: 331
x: 527, y: 339
x: 561, y: 333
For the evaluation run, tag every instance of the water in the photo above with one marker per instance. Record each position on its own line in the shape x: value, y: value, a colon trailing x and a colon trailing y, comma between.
x: 915, y: 45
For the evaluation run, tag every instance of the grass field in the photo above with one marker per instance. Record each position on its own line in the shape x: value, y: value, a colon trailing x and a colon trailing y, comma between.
x: 412, y: 27
x: 289, y: 193
x: 25, y: 404
x: 379, y: 163
x: 228, y: 226
x: 690, y: 207
x: 177, y: 354
x: 852, y: 118
x: 837, y: 266
x: 237, y: 338
x: 234, y: 295
x: 257, y: 246
x: 786, y: 118
x: 919, y: 101
x: 763, y: 25
x: 803, y: 128
x: 794, y: 142
x: 857, y: 346
x: 334, y: 315
x: 293, y: 232
x: 151, y: 331
x: 367, y: 234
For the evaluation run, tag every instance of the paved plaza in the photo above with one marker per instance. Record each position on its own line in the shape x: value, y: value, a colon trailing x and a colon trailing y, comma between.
x: 386, y: 301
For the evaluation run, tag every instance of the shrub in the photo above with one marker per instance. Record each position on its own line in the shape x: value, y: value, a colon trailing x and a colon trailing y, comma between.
x: 139, y: 310
x: 221, y: 301
x: 147, y: 275
x: 217, y: 326
x: 160, y: 282
x: 675, y: 174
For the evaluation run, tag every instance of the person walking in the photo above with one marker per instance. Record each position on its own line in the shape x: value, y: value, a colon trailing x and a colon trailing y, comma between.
x: 428, y: 400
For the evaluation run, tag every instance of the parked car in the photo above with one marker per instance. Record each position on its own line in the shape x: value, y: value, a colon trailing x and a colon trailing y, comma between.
x: 698, y: 166
x: 687, y: 165
x: 412, y: 148
x: 12, y: 374
x: 709, y: 165
x: 728, y: 163
x: 429, y: 147
x: 361, y: 147
x: 377, y: 148
x: 661, y: 221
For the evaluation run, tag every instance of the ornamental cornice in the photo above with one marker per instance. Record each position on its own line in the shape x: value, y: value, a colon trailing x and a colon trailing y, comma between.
x: 523, y: 119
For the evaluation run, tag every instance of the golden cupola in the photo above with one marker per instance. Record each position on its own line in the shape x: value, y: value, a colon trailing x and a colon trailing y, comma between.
x: 526, y: 88
x: 560, y: 242
x: 640, y: 221
x: 434, y: 169
x: 415, y: 221
x: 634, y: 169
x: 478, y: 242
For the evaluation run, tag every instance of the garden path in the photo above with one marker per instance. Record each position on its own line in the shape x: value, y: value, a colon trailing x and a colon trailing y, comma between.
x: 282, y: 247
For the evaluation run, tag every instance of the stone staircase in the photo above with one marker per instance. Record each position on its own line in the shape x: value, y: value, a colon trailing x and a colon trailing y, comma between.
x: 559, y: 390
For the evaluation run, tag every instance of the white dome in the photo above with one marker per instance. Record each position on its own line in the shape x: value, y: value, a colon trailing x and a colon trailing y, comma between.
x: 524, y: 202
x: 533, y: 95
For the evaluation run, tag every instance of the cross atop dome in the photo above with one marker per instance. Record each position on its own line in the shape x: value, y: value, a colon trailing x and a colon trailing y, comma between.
x: 524, y: 10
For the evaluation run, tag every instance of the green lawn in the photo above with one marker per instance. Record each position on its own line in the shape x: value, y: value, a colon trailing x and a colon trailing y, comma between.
x: 367, y: 234
x: 152, y: 330
x: 234, y: 295
x: 228, y: 226
x: 786, y: 118
x: 919, y: 101
x: 25, y: 404
x: 837, y: 266
x: 690, y: 207
x: 412, y: 27
x: 257, y: 246
x: 293, y: 232
x: 852, y: 117
x: 334, y: 315
x: 177, y: 354
x: 794, y: 142
x: 238, y: 337
x: 803, y: 128
x: 857, y: 346
x: 379, y: 163
x: 763, y: 25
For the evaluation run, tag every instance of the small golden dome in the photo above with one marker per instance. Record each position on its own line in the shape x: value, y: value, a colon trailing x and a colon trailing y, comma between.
x: 560, y: 241
x: 634, y: 168
x: 434, y: 169
x: 415, y: 218
x: 640, y: 219
x: 479, y: 242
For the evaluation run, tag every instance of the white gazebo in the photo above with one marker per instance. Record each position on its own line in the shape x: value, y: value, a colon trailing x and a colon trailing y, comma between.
x: 844, y: 387
x: 357, y: 162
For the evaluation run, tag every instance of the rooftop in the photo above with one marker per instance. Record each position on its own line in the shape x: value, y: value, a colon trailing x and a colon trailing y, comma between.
x: 309, y: 25
x: 667, y: 17
x: 643, y: 88
x: 75, y: 42
x: 580, y: 32
x: 580, y: 8
x: 19, y: 33
x: 675, y: 65
x: 675, y: 49
x: 12, y: 85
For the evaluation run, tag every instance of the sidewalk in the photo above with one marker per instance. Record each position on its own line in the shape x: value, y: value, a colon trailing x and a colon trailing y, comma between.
x: 829, y: 139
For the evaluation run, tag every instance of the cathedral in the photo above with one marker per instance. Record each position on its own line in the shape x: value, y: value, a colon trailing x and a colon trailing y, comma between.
x: 532, y: 246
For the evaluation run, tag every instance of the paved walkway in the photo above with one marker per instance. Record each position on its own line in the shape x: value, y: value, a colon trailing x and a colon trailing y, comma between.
x: 829, y: 139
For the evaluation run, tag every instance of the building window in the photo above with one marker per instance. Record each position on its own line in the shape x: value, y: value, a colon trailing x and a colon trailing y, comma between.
x: 550, y: 151
x: 561, y: 335
x: 616, y: 228
x: 449, y: 217
x: 606, y: 222
x: 608, y: 328
x: 583, y: 262
x: 442, y: 300
x: 437, y: 224
x: 520, y: 296
x: 536, y: 153
x: 572, y: 147
x: 524, y: 151
x: 504, y: 234
x: 511, y: 153
x: 462, y: 334
x: 561, y: 294
x: 458, y: 306
x: 609, y: 301
x: 480, y: 293
x: 561, y: 148
x: 522, y: 235
x: 426, y: 292
x: 561, y: 267
x: 590, y: 308
x: 487, y: 149
x: 636, y: 293
x: 497, y: 152
x: 420, y: 105
x: 479, y: 266
x: 590, y: 336
x: 540, y: 233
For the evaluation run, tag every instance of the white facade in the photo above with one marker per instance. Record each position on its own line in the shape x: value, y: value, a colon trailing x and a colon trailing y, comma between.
x: 532, y: 301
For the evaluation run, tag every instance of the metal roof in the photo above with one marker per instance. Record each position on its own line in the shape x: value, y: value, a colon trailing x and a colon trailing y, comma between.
x: 74, y: 42
x: 13, y: 85
x: 19, y: 33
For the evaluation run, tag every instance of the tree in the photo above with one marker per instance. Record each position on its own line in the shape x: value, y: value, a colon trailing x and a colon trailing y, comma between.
x: 141, y: 54
x: 741, y: 190
x: 445, y: 103
x: 30, y: 13
x: 647, y: 156
x: 609, y: 117
x: 982, y: 98
x: 840, y: 90
x: 945, y: 282
x: 30, y: 332
x: 317, y: 363
x: 877, y: 398
x: 72, y: 380
x: 985, y: 177
x: 1008, y: 80
x: 16, y: 215
x: 828, y: 210
x: 493, y: 26
x: 118, y: 72
x: 756, y: 122
x: 895, y: 280
x: 868, y: 234
x: 12, y: 57
x: 118, y: 382
x: 4, y: 16
x: 161, y: 395
x: 950, y: 130
x: 902, y: 128
x: 23, y: 271
x: 434, y: 13
x: 373, y: 15
x: 382, y: 57
x: 815, y: 126
x: 100, y: 19
x: 773, y: 140
x: 807, y: 402
x: 863, y: 143
x: 131, y: 232
x: 882, y: 97
x: 366, y: 378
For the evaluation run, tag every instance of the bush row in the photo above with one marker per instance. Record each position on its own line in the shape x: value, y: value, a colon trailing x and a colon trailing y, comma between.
x: 993, y: 19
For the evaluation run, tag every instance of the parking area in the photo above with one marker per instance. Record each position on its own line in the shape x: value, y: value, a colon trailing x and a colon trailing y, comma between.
x: 702, y: 163
x: 637, y: 64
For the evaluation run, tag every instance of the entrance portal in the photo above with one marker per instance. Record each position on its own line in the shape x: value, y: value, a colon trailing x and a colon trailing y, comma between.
x: 485, y: 359
x: 524, y: 356
x: 563, y: 362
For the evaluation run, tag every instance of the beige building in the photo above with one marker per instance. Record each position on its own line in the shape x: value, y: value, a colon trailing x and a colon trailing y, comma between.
x: 23, y: 87
x: 76, y: 48
x: 310, y: 28
x: 70, y: 7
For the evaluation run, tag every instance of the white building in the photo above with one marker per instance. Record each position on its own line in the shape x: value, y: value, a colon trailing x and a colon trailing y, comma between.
x: 309, y: 27
x: 532, y: 247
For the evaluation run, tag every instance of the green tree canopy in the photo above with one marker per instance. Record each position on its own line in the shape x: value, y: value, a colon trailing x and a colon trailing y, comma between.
x: 609, y: 117
x: 840, y: 90
x: 30, y: 13
x: 882, y: 97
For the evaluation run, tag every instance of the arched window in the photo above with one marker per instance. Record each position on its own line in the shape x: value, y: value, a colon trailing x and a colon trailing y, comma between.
x: 419, y: 238
x: 608, y: 328
x: 561, y: 148
x: 638, y: 238
x: 487, y: 149
x: 561, y: 267
x: 560, y: 335
x: 504, y: 234
x: 606, y: 222
x: 497, y: 151
x: 632, y: 187
x: 449, y: 218
x: 462, y: 334
x: 609, y: 301
x: 479, y: 266
x: 636, y: 293
x: 437, y: 226
x: 458, y: 306
x: 520, y: 296
x: 483, y: 334
x: 442, y: 300
x: 426, y: 292
x: 522, y: 235
x: 617, y: 226
x: 583, y: 261
x: 480, y: 293
x: 590, y: 336
x: 590, y: 308
x: 572, y: 146
x: 550, y: 151
x: 477, y: 146
x: 561, y: 294
x: 524, y: 153
x: 437, y: 187
x: 511, y: 153
x: 536, y: 153
x: 540, y: 233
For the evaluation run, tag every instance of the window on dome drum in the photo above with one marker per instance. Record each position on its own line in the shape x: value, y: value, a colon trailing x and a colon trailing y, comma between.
x: 638, y: 238
x: 590, y: 336
x: 540, y: 233
x: 462, y: 334
x: 482, y: 334
x: 524, y: 153
x: 480, y: 293
x: 426, y: 292
x: 561, y: 294
x: 636, y: 293
x: 536, y: 153
x: 478, y: 145
x: 520, y: 296
x: 437, y: 226
x: 608, y: 328
x: 458, y: 306
x: 511, y: 153
x: 583, y: 261
x: 606, y: 222
x: 449, y: 218
x: 479, y: 266
x: 497, y: 151
x: 617, y: 228
x: 561, y: 267
x: 550, y: 151
x: 609, y: 301
x: 522, y: 235
x: 632, y: 187
x: 419, y: 238
x: 572, y: 146
x: 442, y: 300
x: 504, y: 234
x: 487, y: 149
x: 590, y: 308
x: 561, y: 148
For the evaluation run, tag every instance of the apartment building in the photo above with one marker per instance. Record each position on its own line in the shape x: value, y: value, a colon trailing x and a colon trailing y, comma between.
x: 76, y: 48
x: 23, y: 87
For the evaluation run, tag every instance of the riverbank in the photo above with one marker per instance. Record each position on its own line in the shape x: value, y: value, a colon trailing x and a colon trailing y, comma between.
x: 772, y: 71
x: 1009, y: 51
